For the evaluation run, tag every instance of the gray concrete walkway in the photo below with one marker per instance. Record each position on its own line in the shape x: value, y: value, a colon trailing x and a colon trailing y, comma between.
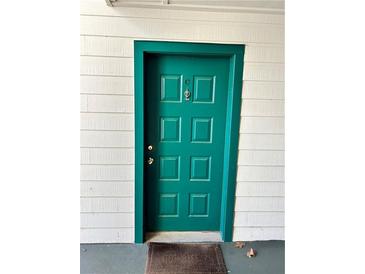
x: 131, y: 258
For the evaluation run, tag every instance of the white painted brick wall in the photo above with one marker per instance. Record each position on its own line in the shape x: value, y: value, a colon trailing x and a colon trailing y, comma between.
x: 107, y: 119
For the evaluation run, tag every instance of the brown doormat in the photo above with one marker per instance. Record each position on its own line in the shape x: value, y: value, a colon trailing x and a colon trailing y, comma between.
x: 185, y: 258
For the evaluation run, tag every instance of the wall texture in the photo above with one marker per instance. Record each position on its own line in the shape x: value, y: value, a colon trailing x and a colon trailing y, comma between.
x: 107, y: 118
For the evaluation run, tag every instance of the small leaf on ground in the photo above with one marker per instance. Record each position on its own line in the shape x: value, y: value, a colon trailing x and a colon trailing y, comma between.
x: 251, y: 253
x: 239, y: 244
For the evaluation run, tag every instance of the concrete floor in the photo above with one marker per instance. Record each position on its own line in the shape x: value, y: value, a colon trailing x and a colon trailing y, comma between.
x: 131, y: 258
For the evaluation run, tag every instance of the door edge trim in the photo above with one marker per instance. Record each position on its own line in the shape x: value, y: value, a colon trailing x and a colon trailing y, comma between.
x: 236, y: 53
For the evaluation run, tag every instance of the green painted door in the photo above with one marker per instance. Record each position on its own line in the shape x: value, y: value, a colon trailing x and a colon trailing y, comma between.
x: 185, y: 114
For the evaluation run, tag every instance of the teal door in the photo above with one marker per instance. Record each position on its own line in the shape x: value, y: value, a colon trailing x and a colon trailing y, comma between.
x: 185, y: 116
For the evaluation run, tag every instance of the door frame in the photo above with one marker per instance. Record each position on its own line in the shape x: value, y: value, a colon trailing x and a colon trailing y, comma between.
x: 235, y: 53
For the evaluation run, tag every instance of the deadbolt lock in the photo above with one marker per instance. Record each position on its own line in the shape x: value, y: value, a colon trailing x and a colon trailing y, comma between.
x: 150, y: 147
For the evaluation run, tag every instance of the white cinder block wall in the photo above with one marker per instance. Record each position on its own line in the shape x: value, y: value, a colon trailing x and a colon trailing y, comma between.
x: 107, y: 118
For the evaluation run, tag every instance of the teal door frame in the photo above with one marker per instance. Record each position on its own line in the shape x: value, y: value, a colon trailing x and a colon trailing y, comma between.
x: 235, y: 53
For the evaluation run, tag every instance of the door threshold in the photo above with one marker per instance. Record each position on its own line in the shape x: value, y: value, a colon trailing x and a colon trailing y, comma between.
x: 184, y: 236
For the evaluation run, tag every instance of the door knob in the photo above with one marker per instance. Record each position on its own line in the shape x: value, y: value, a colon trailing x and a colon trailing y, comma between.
x: 150, y: 161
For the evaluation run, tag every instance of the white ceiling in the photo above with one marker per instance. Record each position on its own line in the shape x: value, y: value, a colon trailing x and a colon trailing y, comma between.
x: 267, y: 6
